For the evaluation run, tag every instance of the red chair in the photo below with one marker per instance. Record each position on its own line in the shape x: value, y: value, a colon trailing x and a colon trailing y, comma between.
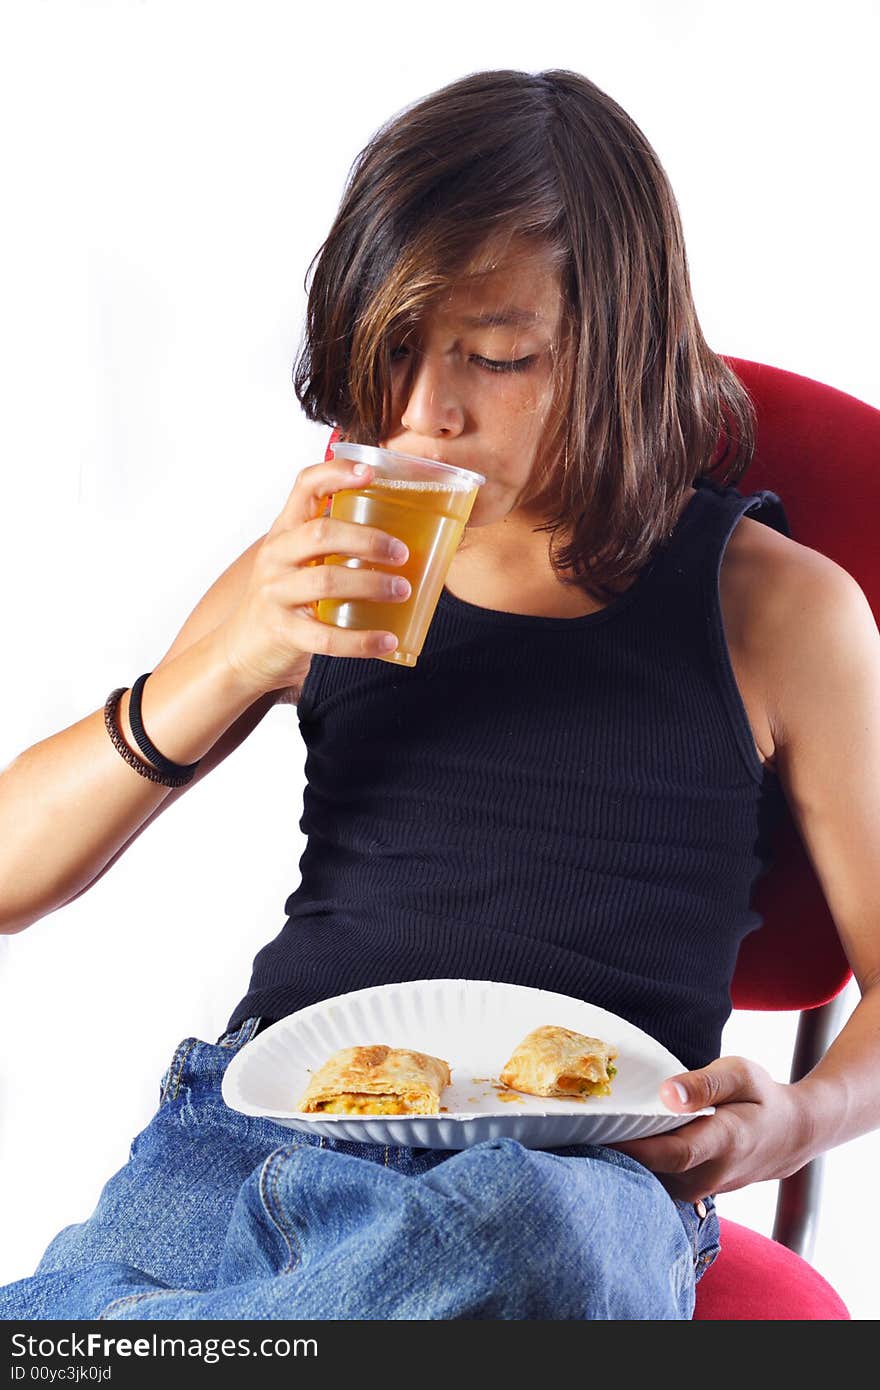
x: 818, y: 448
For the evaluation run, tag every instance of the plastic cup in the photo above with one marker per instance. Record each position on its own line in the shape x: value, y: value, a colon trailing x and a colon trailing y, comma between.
x: 424, y: 504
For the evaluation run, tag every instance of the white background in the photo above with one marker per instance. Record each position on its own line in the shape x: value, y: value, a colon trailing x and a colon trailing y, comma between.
x: 169, y: 168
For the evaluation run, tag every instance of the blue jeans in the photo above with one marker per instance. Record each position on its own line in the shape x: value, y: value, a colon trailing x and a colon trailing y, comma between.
x: 221, y: 1215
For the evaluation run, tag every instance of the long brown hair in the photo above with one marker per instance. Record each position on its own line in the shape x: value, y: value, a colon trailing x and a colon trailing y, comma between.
x: 642, y: 405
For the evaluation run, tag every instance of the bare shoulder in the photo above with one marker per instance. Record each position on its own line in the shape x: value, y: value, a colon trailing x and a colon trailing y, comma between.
x: 779, y: 579
x: 794, y: 611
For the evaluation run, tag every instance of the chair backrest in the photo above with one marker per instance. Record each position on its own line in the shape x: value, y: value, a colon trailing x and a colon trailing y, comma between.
x: 819, y: 449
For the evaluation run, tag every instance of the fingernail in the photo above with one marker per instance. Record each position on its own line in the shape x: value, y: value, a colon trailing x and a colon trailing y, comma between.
x: 680, y: 1092
x: 360, y: 469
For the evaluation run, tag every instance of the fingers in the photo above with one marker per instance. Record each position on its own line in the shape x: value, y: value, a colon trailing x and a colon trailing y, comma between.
x: 678, y: 1151
x: 313, y: 486
x: 304, y: 532
x: 690, y: 1163
x: 329, y: 536
x: 325, y: 639
x: 738, y: 1143
x: 724, y: 1080
x: 362, y: 562
x: 310, y: 555
x: 342, y: 582
x: 276, y: 625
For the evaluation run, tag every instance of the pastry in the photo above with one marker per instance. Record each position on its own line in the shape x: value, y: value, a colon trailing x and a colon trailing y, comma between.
x: 377, y: 1080
x: 554, y: 1061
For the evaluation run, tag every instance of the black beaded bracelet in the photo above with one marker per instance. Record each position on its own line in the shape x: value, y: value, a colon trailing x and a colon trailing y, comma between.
x: 149, y: 749
x: 150, y: 773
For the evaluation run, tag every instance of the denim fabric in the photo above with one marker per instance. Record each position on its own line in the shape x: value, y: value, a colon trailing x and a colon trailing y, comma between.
x: 222, y: 1215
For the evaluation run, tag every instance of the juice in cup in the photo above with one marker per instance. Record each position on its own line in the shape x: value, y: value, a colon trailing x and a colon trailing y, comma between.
x: 424, y: 504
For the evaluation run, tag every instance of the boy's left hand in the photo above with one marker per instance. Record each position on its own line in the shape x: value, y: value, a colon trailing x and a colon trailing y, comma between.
x: 759, y: 1130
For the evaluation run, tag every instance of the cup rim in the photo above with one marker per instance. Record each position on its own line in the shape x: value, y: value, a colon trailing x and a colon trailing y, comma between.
x: 357, y: 452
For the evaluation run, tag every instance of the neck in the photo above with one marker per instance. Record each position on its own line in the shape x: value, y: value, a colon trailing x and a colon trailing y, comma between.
x: 511, y: 535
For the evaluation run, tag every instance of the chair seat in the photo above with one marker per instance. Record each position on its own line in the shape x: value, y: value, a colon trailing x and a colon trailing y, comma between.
x: 757, y: 1279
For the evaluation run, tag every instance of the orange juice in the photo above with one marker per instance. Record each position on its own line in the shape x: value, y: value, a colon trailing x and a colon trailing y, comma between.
x: 429, y: 516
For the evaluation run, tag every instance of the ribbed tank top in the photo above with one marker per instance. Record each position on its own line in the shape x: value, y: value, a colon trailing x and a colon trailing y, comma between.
x: 574, y: 804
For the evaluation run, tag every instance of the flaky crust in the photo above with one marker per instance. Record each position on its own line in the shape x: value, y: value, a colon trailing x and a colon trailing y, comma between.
x: 554, y: 1061
x: 415, y: 1078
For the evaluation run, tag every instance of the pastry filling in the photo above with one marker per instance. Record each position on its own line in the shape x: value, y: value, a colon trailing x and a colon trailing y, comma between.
x: 583, y: 1086
x: 361, y: 1103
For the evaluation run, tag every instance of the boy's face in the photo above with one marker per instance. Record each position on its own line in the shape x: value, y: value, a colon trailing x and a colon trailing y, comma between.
x: 448, y: 404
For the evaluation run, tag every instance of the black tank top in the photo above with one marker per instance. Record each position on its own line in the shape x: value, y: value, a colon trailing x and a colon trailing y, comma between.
x: 574, y: 804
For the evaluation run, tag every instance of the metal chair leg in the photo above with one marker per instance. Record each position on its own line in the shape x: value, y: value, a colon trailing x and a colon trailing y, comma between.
x: 797, y: 1205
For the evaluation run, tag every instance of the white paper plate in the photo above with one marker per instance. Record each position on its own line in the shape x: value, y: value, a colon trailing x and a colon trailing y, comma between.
x: 474, y: 1025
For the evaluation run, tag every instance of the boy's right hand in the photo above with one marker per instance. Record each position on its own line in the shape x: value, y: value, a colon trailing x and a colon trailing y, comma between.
x: 269, y: 639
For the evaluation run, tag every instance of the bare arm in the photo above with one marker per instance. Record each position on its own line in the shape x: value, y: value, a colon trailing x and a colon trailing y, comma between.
x: 828, y: 741
x: 822, y: 662
x: 70, y: 805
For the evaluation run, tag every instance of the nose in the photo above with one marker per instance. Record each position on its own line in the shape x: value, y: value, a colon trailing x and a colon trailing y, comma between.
x: 433, y: 407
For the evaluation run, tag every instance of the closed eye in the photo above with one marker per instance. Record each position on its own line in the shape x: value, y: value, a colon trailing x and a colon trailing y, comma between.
x: 518, y: 365
x: 488, y: 364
